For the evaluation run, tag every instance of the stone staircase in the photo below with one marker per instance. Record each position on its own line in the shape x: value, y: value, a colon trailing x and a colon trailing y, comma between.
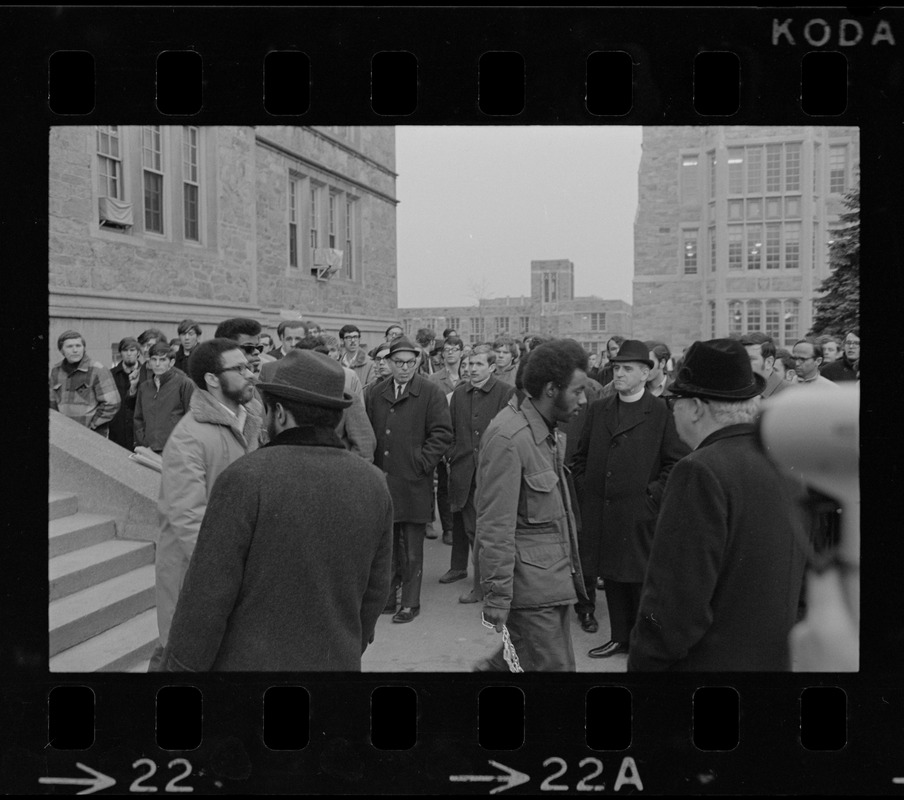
x: 102, y: 614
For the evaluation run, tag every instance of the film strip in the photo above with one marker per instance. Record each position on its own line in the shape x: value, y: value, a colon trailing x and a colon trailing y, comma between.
x: 441, y: 732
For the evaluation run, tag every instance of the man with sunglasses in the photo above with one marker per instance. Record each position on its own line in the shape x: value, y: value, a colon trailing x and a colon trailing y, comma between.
x: 724, y: 575
x: 410, y: 417
x: 215, y: 432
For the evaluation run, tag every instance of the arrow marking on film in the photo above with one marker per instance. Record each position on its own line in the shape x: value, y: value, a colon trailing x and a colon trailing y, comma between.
x: 94, y: 784
x: 511, y: 779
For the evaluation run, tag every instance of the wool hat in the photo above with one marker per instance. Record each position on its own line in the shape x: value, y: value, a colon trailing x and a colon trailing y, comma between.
x: 309, y: 377
x: 718, y: 369
x: 125, y: 344
x: 403, y: 344
x: 633, y: 350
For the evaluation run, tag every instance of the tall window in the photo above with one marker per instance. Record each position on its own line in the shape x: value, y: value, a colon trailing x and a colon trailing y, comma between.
x: 712, y: 249
x: 792, y: 167
x: 109, y: 160
x: 774, y: 319
x: 773, y: 246
x: 736, y: 170
x: 755, y: 170
x: 476, y: 330
x: 502, y: 324
x: 191, y: 184
x: 712, y: 319
x: 712, y: 175
x: 598, y: 321
x: 754, y: 247
x: 792, y: 245
x: 837, y: 169
x: 293, y: 222
x: 152, y: 164
x: 773, y: 168
x: 331, y: 232
x: 735, y: 246
x: 525, y: 324
x: 453, y: 322
x: 314, y: 216
x: 348, y: 254
x: 689, y: 181
x: 549, y: 287
x: 736, y: 317
x: 689, y: 251
x: 792, y: 322
x: 754, y: 315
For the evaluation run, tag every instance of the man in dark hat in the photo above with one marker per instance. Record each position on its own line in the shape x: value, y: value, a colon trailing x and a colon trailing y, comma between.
x: 284, y: 578
x: 724, y: 575
x: 627, y: 448
x: 410, y: 417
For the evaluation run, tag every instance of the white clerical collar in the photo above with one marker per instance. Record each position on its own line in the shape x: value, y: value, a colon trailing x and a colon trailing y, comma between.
x: 632, y: 398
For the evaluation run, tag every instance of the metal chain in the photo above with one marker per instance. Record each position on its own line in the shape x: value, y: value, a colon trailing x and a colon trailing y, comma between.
x: 508, y: 649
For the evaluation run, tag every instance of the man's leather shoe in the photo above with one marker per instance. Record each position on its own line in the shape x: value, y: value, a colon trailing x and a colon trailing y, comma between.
x: 588, y: 622
x: 600, y: 584
x: 406, y: 614
x: 454, y: 575
x: 470, y: 597
x: 608, y: 649
x: 447, y: 537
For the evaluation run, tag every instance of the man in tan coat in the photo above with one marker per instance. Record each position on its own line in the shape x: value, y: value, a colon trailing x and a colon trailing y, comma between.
x: 526, y: 536
x: 215, y: 432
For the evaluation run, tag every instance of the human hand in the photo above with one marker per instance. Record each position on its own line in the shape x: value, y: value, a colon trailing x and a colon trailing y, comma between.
x: 495, y: 617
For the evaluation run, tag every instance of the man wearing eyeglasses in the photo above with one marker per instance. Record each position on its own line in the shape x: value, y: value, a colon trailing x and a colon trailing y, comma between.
x: 847, y: 367
x: 410, y: 417
x: 215, y: 432
x: 352, y: 356
x: 723, y: 580
x: 807, y: 357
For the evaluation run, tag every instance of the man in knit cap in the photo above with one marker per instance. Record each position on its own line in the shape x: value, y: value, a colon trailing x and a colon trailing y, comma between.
x: 283, y: 577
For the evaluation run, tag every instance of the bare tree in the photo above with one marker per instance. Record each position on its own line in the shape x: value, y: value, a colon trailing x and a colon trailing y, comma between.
x: 479, y: 289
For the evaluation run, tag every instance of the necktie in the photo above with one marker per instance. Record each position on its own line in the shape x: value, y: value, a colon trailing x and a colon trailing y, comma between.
x: 398, y: 391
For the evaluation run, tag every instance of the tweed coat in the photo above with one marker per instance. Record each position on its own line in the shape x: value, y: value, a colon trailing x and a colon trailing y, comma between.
x: 472, y: 410
x: 413, y: 434
x: 725, y: 571
x: 88, y: 394
x: 620, y: 471
x: 283, y: 577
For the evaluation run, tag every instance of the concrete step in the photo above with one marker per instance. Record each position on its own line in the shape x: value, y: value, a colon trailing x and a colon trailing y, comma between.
x: 88, y: 566
x: 79, y: 616
x: 79, y: 530
x: 121, y: 649
x: 62, y: 504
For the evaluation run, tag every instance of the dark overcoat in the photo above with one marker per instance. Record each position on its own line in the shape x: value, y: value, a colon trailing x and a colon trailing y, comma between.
x: 413, y: 434
x: 725, y: 571
x: 472, y: 410
x: 284, y: 577
x: 620, y: 473
x: 122, y: 426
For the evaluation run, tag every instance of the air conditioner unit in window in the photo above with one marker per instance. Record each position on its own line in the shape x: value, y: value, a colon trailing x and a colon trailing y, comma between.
x: 115, y: 213
x: 327, y: 262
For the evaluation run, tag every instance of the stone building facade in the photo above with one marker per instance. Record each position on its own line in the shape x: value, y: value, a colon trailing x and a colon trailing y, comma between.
x: 149, y: 225
x: 551, y: 309
x: 732, y: 228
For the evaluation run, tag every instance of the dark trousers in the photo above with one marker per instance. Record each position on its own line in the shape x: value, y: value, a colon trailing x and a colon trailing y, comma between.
x: 408, y: 561
x: 468, y: 516
x: 442, y: 496
x: 623, y: 600
x: 541, y: 638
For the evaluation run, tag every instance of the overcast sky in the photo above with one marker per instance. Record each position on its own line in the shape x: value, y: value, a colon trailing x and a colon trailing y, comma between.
x: 478, y: 204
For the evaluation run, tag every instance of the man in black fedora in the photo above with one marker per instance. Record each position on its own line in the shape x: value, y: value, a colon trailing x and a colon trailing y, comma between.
x: 627, y: 448
x: 284, y: 577
x: 724, y: 575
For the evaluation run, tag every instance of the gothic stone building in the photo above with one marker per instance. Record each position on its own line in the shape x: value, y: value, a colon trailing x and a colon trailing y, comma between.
x: 551, y: 309
x: 732, y: 228
x: 153, y: 224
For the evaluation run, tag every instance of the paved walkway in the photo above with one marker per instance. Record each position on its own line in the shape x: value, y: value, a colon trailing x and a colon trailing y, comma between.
x: 447, y: 635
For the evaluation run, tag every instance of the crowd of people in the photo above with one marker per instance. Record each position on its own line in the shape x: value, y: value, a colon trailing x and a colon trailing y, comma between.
x: 302, y: 473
